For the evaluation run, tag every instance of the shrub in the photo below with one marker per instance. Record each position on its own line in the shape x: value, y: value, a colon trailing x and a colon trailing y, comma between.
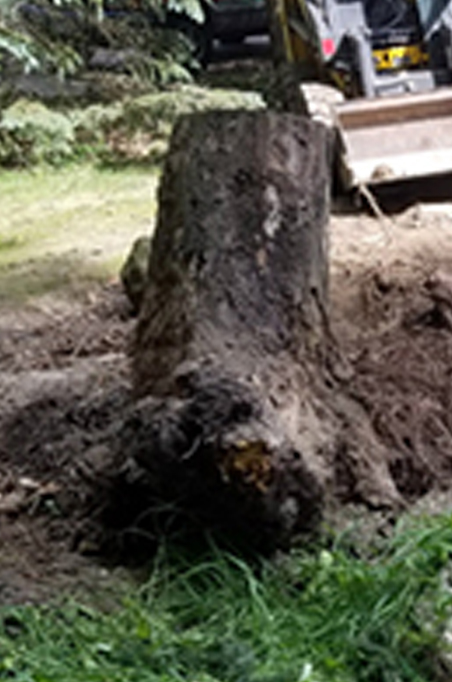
x: 30, y: 133
x: 135, y: 130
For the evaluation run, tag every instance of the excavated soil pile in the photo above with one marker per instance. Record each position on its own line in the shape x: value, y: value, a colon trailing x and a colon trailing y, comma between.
x: 392, y: 292
x: 404, y: 380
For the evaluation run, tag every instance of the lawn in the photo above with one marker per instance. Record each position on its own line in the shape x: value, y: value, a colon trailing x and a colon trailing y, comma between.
x: 323, y: 615
x: 60, y: 229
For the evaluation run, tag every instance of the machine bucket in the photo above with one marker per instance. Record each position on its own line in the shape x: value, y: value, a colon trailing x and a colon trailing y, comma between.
x: 394, y: 138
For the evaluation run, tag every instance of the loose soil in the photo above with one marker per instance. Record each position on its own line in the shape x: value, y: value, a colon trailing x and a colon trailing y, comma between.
x: 64, y: 375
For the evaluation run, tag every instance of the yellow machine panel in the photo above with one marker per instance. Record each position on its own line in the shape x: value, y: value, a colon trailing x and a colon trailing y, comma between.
x: 400, y: 57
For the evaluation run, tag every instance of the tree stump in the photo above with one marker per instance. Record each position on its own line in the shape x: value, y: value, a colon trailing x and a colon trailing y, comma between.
x: 238, y: 418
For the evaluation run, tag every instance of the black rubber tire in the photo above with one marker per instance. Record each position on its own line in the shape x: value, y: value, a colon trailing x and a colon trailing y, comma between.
x: 199, y: 35
x: 232, y: 40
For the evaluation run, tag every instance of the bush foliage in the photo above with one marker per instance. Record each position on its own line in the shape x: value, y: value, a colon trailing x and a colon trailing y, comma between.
x: 59, y: 35
x: 136, y: 129
x: 31, y: 134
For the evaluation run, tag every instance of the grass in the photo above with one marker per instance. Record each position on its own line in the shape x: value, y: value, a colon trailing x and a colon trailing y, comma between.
x: 62, y: 229
x: 312, y: 616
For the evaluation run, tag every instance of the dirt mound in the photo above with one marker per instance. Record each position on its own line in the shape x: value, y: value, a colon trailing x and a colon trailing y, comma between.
x: 404, y: 380
x: 402, y: 375
x: 392, y: 304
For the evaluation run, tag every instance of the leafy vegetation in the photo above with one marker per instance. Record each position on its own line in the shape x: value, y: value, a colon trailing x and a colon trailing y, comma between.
x: 59, y: 34
x: 134, y: 130
x: 30, y: 134
x: 312, y: 616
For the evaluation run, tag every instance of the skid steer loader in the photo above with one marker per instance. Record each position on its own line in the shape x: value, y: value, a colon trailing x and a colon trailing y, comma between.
x: 391, y: 60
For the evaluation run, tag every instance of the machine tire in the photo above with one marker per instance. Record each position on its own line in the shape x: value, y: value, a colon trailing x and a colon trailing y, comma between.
x: 231, y: 40
x: 199, y: 34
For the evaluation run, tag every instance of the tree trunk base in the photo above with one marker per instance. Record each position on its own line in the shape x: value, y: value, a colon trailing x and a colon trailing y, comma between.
x: 243, y: 415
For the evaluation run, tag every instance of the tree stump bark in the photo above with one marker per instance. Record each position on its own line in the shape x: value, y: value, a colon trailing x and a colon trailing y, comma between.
x: 234, y: 420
